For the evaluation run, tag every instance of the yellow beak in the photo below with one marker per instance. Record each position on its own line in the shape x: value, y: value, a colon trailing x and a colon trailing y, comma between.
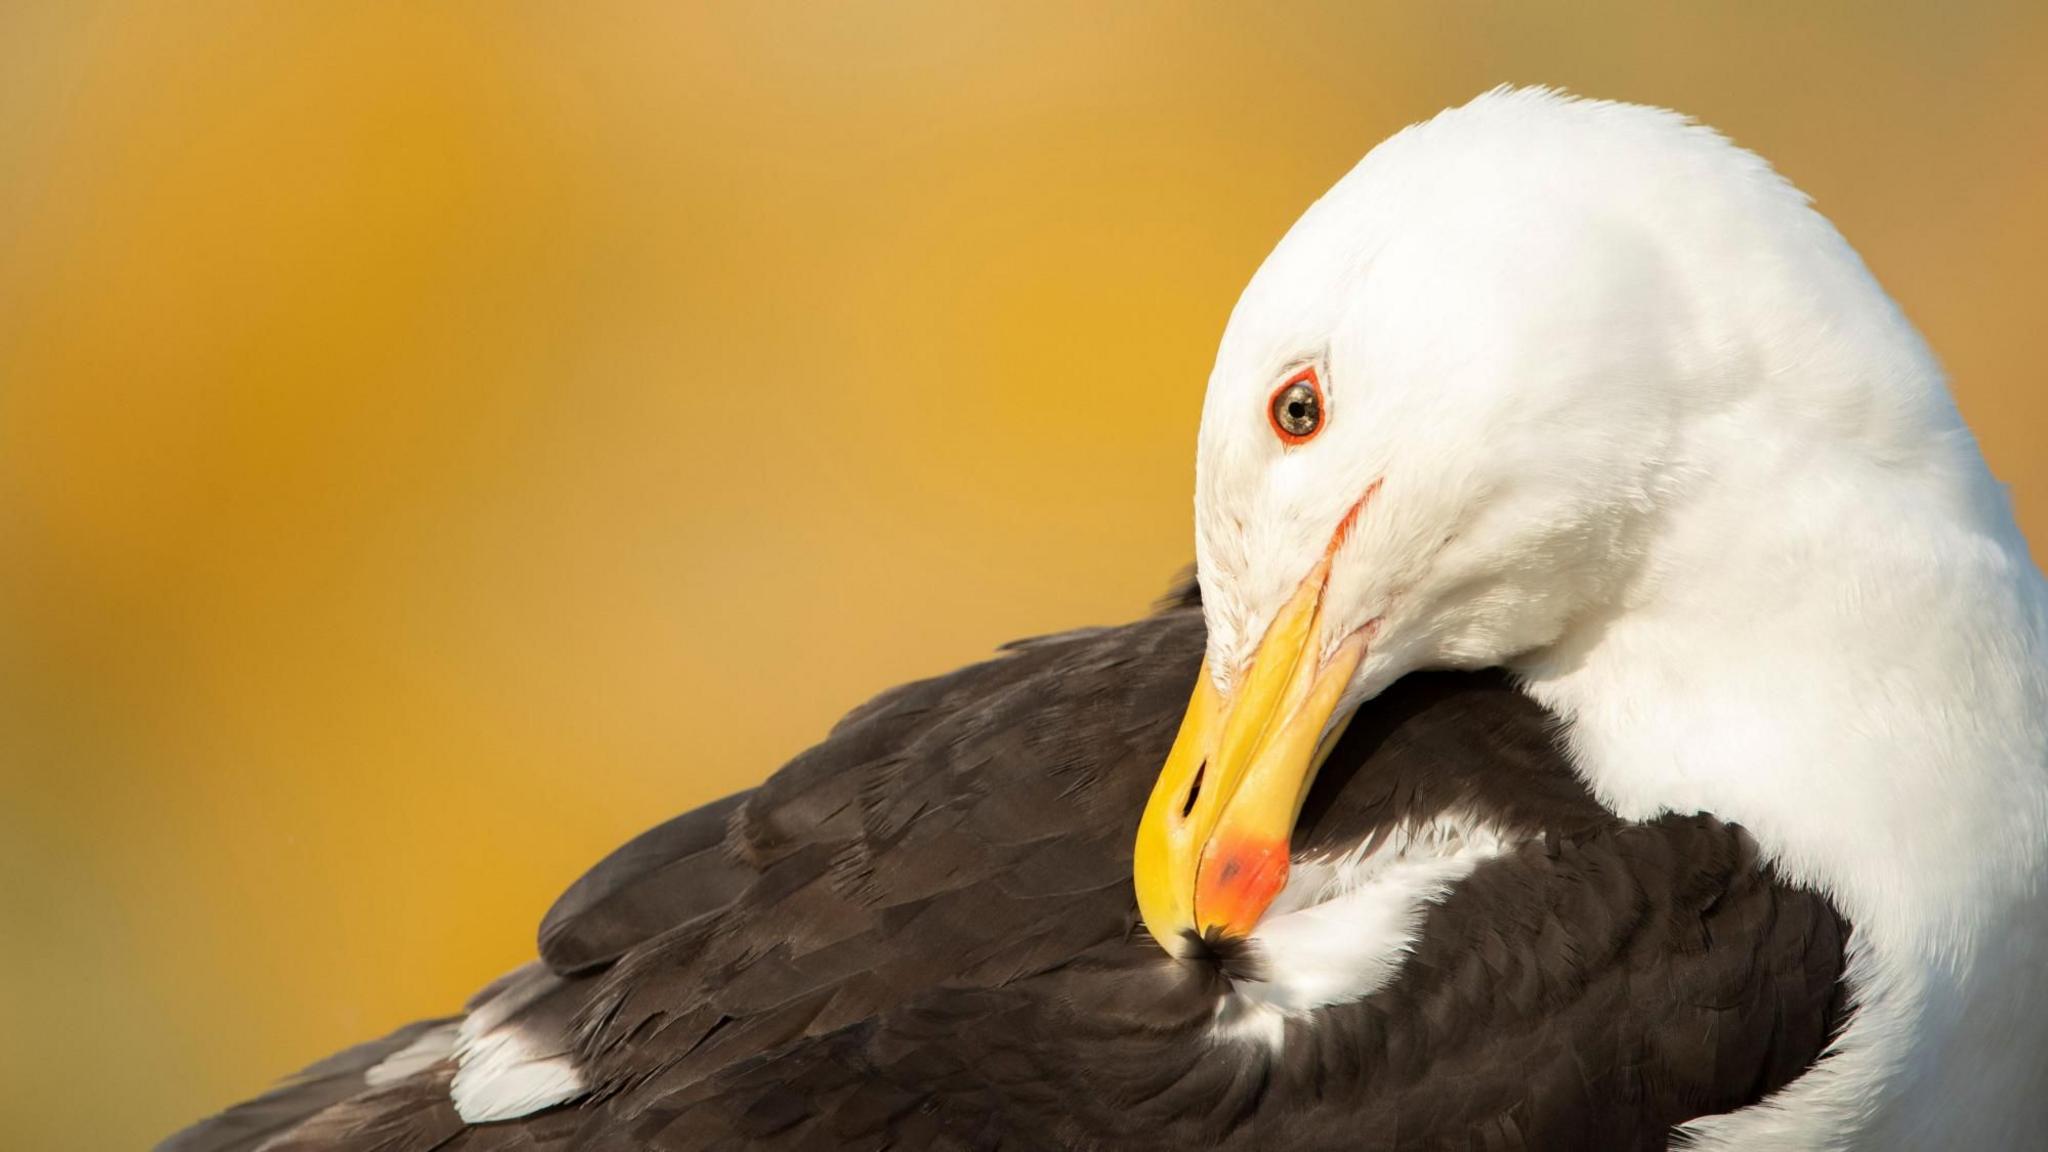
x: 1212, y: 848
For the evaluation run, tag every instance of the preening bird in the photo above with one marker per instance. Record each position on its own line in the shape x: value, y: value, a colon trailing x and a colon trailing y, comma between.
x: 1610, y: 714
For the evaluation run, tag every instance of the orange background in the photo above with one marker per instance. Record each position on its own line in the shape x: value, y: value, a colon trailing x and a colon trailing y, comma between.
x: 439, y: 440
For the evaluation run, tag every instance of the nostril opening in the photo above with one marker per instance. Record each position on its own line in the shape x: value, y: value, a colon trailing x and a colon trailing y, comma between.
x: 1194, y: 790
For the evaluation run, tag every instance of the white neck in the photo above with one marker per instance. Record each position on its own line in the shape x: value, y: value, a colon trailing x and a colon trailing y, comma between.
x: 1843, y: 650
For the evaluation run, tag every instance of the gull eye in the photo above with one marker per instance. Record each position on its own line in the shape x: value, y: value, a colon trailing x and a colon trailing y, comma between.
x: 1297, y: 407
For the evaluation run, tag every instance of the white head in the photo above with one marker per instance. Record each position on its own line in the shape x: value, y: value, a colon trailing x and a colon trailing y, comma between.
x: 1454, y: 412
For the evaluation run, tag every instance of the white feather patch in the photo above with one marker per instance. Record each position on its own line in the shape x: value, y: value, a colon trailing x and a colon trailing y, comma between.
x: 506, y: 1070
x: 504, y: 1077
x: 1341, y: 927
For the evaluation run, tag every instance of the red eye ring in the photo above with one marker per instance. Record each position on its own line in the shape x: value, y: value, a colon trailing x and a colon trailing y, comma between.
x: 1297, y: 410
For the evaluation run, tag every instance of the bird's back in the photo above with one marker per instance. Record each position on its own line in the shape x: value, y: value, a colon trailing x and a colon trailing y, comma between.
x: 920, y: 933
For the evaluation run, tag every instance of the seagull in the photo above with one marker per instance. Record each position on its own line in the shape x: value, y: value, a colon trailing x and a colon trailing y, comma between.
x: 1608, y: 712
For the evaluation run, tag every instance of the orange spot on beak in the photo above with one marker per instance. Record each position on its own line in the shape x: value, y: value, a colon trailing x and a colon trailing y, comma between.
x: 1236, y: 881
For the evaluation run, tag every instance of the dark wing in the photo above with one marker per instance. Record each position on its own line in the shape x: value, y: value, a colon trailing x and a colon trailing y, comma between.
x: 1601, y: 985
x: 921, y: 933
x: 1501, y: 1036
x: 900, y: 851
x: 971, y: 830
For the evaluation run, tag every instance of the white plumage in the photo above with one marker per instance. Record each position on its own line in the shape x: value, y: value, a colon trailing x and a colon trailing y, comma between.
x: 1341, y: 928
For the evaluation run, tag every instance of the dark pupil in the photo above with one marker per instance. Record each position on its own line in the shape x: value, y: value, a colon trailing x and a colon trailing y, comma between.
x: 1298, y: 410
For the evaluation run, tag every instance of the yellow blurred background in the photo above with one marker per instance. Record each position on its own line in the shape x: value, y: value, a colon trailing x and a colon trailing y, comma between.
x: 440, y: 440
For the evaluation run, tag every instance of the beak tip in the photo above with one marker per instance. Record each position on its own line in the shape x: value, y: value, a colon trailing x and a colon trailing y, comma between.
x: 1237, y: 882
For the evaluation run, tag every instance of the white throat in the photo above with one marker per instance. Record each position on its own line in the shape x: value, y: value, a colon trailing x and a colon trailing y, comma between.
x: 1842, y: 649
